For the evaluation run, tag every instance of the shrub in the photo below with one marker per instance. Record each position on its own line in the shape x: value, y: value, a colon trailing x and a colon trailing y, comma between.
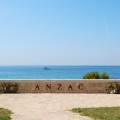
x: 8, y: 87
x: 96, y: 75
x: 113, y: 88
x: 104, y: 76
x: 92, y: 75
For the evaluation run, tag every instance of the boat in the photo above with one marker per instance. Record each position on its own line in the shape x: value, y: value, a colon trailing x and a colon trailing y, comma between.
x: 46, y: 68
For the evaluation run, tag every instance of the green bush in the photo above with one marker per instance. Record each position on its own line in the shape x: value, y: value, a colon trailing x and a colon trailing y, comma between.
x: 104, y: 76
x: 8, y: 87
x: 96, y: 75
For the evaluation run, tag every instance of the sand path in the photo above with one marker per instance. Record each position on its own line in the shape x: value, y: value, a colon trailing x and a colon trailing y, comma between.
x: 53, y: 106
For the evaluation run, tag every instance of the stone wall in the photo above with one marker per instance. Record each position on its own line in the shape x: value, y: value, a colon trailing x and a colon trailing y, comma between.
x: 58, y: 86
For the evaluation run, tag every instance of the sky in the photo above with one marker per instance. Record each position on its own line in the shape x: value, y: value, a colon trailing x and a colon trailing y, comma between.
x: 59, y: 32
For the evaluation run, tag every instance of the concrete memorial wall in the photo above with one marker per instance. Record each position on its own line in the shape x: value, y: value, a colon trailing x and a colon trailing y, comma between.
x: 58, y: 86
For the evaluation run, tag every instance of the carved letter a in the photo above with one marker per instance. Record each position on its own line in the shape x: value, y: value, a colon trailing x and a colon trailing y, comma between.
x: 37, y: 87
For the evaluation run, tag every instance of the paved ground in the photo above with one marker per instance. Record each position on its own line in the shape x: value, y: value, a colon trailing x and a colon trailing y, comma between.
x: 53, y: 106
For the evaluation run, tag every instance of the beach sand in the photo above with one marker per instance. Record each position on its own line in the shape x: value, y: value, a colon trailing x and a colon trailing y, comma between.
x: 54, y: 106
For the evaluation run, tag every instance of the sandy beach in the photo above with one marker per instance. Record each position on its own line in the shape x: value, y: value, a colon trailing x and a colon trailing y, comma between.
x: 53, y: 106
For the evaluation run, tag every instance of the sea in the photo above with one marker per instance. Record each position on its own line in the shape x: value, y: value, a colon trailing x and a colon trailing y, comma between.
x: 54, y: 72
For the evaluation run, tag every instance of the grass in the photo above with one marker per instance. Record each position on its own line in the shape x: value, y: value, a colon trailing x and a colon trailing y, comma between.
x: 5, y: 114
x: 102, y: 113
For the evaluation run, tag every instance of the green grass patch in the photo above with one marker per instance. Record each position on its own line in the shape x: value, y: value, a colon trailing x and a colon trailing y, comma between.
x: 102, y: 113
x: 5, y: 114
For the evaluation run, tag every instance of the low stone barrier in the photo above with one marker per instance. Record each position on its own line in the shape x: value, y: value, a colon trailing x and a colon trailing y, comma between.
x: 58, y: 86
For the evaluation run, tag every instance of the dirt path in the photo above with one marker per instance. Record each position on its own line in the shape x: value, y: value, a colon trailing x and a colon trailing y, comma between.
x: 53, y: 106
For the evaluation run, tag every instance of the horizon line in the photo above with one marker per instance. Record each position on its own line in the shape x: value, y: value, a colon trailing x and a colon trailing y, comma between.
x: 56, y: 65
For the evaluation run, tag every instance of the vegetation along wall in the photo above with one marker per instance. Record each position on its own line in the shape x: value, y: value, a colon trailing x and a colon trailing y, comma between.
x: 59, y: 86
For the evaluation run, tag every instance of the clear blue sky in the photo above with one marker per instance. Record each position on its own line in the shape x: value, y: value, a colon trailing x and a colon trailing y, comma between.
x: 59, y: 32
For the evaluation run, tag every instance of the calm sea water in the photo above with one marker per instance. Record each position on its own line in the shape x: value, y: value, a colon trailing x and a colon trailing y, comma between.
x: 54, y: 72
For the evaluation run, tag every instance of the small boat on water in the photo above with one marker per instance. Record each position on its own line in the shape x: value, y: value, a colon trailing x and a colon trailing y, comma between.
x: 46, y: 68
